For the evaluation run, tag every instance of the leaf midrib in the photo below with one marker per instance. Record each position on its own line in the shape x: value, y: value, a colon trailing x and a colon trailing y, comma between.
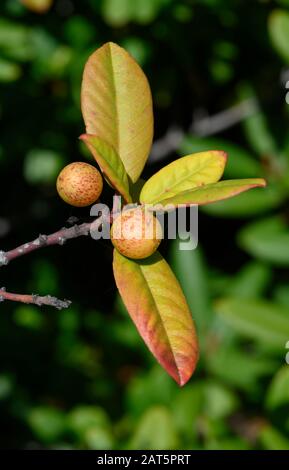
x: 163, y: 323
x: 115, y: 97
x: 159, y: 199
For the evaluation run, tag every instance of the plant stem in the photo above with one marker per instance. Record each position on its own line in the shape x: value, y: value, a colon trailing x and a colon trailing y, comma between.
x: 34, y: 299
x: 57, y: 238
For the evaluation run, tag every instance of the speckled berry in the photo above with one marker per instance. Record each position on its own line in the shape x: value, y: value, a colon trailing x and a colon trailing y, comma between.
x: 136, y: 234
x: 79, y: 184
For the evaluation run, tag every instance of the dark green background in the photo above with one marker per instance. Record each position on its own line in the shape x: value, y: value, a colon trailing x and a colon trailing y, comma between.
x: 82, y: 378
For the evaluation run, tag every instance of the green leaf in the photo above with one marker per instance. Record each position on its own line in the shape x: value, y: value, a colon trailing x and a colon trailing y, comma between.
x: 184, y: 174
x: 256, y: 126
x: 238, y: 367
x: 91, y: 426
x: 117, y: 105
x: 219, y: 400
x: 16, y: 40
x: 212, y: 192
x: 262, y: 321
x: 157, y: 306
x: 6, y: 386
x: 9, y: 71
x: 117, y: 12
x: 279, y: 32
x: 189, y: 267
x: 251, y: 281
x: 248, y: 204
x: 187, y: 406
x: 272, y: 439
x: 42, y: 166
x: 156, y: 430
x: 281, y: 294
x: 268, y: 240
x: 278, y: 392
x: 28, y: 317
x: 109, y: 163
x: 240, y: 163
x: 47, y: 423
x: 151, y: 388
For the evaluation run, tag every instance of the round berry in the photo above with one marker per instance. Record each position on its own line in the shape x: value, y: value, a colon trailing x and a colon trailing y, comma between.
x: 79, y: 184
x: 136, y: 233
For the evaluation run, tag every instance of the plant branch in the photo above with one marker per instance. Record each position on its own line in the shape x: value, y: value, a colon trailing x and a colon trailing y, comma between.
x: 203, y: 125
x: 34, y: 299
x: 57, y: 238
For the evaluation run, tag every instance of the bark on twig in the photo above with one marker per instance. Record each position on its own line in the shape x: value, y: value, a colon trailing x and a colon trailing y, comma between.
x: 57, y: 238
x: 34, y: 299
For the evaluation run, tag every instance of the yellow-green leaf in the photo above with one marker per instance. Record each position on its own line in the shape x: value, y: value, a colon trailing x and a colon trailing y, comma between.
x: 157, y: 306
x: 213, y: 192
x: 263, y: 321
x: 38, y: 6
x: 109, y: 163
x: 184, y: 174
x: 279, y: 32
x: 117, y: 105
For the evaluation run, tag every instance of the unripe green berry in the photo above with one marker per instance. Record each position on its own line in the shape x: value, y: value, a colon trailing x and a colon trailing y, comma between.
x: 79, y: 184
x: 136, y: 233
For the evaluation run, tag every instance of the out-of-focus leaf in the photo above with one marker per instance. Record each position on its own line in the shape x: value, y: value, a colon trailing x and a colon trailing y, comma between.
x: 58, y: 62
x: 281, y: 294
x: 186, y: 407
x: 28, y: 317
x: 42, y: 166
x: 79, y: 31
x: 230, y: 443
x: 278, y: 392
x: 156, y: 430
x: 9, y: 72
x: 110, y: 164
x: 256, y: 127
x: 222, y: 71
x: 272, y: 439
x: 210, y: 193
x: 279, y: 32
x: 145, y: 12
x: 117, y: 12
x: 38, y: 6
x: 248, y: 204
x: 189, y: 267
x: 237, y: 368
x: 84, y: 418
x: 268, y: 240
x: 160, y: 312
x: 69, y: 320
x: 240, y: 164
x: 251, y: 281
x: 184, y: 174
x: 154, y: 388
x: 259, y: 136
x: 16, y: 40
x: 219, y: 401
x: 138, y: 48
x: 117, y: 105
x: 99, y: 439
x: 257, y: 319
x: 45, y: 277
x: 47, y: 423
x: 6, y: 386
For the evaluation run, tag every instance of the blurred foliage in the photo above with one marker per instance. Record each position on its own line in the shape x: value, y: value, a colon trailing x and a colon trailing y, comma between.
x: 82, y: 378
